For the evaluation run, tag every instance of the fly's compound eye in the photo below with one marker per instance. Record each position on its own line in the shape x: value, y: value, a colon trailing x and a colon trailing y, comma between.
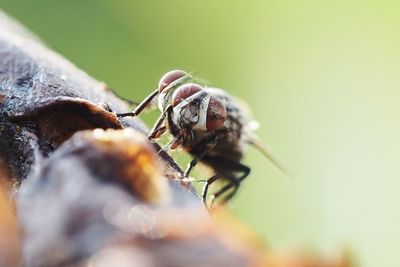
x: 184, y: 92
x: 216, y: 114
x: 170, y: 77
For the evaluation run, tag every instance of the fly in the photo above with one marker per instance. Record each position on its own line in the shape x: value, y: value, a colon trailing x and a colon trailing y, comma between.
x: 209, y: 124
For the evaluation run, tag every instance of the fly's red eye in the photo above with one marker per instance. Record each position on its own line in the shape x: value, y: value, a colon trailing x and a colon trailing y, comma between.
x: 169, y: 78
x: 184, y: 92
x: 216, y: 114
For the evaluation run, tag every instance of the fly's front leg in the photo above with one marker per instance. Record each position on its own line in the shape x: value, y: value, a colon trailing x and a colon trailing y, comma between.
x: 159, y: 127
x: 142, y: 105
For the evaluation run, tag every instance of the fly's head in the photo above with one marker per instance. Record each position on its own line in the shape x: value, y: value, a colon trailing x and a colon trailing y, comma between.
x: 196, y: 110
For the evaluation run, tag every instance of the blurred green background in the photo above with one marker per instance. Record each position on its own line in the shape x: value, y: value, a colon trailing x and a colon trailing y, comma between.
x: 322, y: 77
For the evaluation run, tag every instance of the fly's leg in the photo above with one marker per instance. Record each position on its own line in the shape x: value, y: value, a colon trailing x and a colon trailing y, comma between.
x: 192, y: 164
x: 228, y: 169
x: 207, y: 186
x: 234, y: 182
x: 159, y: 128
x: 210, y: 145
x: 142, y: 105
x: 158, y: 132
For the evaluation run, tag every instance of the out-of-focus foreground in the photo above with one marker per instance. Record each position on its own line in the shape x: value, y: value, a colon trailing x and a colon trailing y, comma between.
x: 9, y: 232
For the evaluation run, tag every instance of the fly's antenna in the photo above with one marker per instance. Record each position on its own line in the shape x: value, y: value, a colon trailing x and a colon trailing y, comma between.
x: 267, y: 152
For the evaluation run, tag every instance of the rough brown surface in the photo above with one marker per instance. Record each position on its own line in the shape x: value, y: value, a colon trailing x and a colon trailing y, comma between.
x: 104, y: 191
x: 44, y: 99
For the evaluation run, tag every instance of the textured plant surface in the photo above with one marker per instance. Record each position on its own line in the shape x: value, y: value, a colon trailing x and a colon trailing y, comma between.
x: 83, y: 188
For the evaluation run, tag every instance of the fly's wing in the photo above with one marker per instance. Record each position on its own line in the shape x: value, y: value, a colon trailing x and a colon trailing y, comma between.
x: 267, y: 152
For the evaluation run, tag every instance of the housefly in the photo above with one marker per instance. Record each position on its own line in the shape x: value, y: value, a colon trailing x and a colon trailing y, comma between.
x: 209, y: 124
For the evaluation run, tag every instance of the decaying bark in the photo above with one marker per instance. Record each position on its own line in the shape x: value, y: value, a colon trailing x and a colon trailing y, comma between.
x: 44, y: 99
x: 107, y: 193
x: 98, y: 197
